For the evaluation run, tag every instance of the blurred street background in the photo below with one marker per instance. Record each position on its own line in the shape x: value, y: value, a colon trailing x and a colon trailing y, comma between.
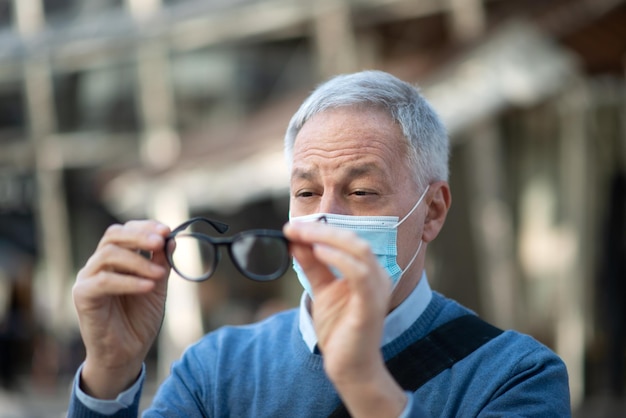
x: 112, y: 110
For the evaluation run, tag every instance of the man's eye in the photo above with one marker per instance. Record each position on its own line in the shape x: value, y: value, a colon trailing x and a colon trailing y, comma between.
x: 362, y: 193
x: 304, y: 194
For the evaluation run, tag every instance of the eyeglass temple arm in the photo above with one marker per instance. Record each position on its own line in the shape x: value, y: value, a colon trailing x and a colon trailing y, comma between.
x: 219, y: 226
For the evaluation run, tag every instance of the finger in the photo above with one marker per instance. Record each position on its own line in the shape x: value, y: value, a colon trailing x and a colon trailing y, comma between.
x: 146, y: 235
x: 363, y: 274
x: 107, y: 283
x: 343, y: 250
x: 316, y: 262
x: 349, y: 250
x: 346, y: 264
x: 123, y: 260
x: 318, y: 233
x: 315, y: 270
x: 159, y: 257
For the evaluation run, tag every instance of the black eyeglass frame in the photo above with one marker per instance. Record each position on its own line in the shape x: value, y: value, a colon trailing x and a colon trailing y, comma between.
x: 226, y: 241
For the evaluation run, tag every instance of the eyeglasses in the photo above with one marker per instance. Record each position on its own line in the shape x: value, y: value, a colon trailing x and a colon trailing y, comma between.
x: 259, y: 254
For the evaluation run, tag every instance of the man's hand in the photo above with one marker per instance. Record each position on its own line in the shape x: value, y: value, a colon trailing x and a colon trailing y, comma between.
x: 120, y: 299
x: 348, y: 315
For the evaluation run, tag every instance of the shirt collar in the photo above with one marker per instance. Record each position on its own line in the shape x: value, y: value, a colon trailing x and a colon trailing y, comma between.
x: 398, y: 321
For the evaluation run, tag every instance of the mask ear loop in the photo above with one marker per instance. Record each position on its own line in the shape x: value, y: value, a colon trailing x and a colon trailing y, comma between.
x: 419, y: 247
x: 414, y: 207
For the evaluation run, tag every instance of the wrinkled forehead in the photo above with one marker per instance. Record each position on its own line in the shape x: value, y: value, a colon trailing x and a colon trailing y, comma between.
x: 354, y: 129
x: 359, y: 141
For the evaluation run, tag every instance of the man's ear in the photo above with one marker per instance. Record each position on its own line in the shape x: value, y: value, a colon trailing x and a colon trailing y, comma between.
x: 439, y: 201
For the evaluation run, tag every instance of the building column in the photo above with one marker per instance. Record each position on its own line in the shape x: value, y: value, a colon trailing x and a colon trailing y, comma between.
x: 492, y: 225
x: 159, y: 150
x: 51, y: 208
x: 577, y: 184
x: 334, y: 38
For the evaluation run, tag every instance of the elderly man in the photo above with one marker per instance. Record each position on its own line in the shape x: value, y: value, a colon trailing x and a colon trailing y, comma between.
x: 369, y: 165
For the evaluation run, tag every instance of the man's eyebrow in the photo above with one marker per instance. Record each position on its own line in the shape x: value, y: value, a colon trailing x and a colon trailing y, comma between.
x: 303, y: 174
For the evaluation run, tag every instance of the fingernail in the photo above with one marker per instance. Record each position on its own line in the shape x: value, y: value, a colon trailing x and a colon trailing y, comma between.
x: 155, y: 239
x: 163, y: 228
x: 156, y: 268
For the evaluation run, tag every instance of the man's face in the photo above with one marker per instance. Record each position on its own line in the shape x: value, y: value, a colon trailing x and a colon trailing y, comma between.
x: 352, y: 161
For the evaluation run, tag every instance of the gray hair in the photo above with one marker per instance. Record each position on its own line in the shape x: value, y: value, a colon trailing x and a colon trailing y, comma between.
x: 426, y: 136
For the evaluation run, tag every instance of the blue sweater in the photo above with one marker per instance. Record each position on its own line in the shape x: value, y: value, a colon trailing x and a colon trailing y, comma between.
x: 266, y: 370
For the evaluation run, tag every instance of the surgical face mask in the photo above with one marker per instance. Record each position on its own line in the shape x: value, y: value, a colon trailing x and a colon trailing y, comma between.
x: 379, y: 231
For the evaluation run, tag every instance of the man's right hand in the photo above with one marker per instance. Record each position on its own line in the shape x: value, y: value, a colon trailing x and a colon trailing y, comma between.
x: 120, y: 299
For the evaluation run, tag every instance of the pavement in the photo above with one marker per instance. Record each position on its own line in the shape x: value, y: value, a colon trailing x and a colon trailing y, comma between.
x: 48, y: 402
x: 31, y: 405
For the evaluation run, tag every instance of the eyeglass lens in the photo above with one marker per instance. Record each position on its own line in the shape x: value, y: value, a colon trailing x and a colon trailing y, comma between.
x: 260, y: 256
x: 193, y: 258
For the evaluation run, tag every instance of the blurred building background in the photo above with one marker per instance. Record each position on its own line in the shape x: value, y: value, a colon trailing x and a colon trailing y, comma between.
x: 112, y: 110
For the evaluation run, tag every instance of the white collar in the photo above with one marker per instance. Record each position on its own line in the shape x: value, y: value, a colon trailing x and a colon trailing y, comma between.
x: 398, y: 321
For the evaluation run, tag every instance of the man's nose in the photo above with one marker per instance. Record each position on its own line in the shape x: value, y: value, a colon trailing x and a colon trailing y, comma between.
x: 330, y: 203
